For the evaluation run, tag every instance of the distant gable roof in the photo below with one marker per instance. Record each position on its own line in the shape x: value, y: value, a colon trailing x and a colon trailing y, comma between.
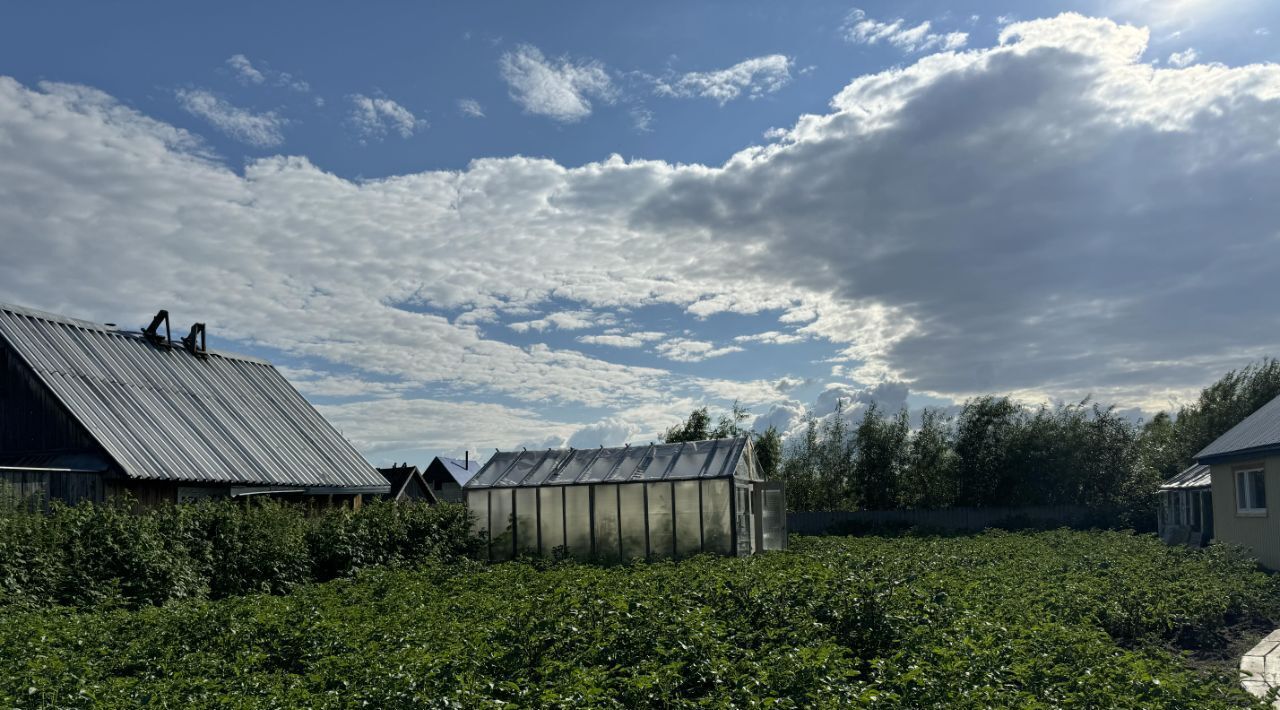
x: 167, y: 414
x: 462, y: 471
x: 714, y: 458
x: 1259, y: 433
x: 400, y: 477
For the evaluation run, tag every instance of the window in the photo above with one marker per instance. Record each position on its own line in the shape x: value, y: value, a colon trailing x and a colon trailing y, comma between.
x: 1251, y: 491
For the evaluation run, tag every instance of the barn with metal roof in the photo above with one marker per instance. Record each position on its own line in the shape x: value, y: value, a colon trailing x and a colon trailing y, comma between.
x: 655, y: 501
x: 164, y: 420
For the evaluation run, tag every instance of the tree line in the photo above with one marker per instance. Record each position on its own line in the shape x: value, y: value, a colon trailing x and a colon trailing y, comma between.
x: 994, y: 451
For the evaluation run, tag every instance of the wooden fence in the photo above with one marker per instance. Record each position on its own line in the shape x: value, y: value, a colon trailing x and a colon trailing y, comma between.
x: 949, y: 519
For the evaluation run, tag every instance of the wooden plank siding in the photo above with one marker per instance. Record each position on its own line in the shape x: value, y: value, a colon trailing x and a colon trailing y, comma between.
x: 31, y: 420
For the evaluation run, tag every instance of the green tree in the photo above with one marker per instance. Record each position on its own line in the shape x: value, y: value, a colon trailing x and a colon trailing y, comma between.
x: 730, y: 424
x: 880, y: 454
x: 1224, y: 404
x: 836, y: 485
x: 768, y: 446
x: 929, y: 478
x: 696, y: 428
x: 985, y: 431
x: 799, y: 468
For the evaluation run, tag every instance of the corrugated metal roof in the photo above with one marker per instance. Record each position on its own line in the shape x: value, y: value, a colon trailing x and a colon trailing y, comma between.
x: 714, y: 458
x: 167, y: 414
x: 1194, y: 476
x: 1258, y: 432
x: 460, y: 470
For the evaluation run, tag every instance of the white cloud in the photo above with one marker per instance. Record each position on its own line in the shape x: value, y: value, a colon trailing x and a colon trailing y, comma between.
x: 1016, y: 218
x: 860, y: 29
x: 470, y: 108
x: 691, y: 350
x: 607, y: 432
x: 374, y: 116
x: 263, y: 130
x: 628, y: 340
x: 245, y: 70
x: 564, y: 320
x: 1262, y: 32
x: 755, y: 77
x: 641, y: 119
x: 246, y: 73
x: 771, y: 337
x: 560, y: 89
x: 438, y: 425
x: 1184, y: 58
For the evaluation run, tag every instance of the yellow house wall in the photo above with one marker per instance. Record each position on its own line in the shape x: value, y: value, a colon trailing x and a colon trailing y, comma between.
x: 1258, y: 532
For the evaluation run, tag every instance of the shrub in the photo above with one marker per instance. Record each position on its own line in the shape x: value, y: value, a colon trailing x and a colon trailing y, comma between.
x: 90, y: 555
x: 1049, y: 619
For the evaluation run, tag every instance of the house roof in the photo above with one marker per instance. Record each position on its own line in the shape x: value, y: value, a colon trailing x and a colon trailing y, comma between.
x: 714, y: 458
x: 461, y: 471
x: 163, y: 413
x: 1259, y: 433
x: 400, y: 476
x: 1193, y: 476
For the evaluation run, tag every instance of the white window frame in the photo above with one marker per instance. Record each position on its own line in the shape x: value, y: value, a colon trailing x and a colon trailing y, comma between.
x: 1244, y: 492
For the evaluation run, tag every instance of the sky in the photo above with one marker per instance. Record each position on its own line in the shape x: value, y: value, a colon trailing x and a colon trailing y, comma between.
x: 489, y: 225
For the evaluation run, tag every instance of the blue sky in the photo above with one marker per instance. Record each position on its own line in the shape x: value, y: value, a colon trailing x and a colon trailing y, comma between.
x: 498, y: 224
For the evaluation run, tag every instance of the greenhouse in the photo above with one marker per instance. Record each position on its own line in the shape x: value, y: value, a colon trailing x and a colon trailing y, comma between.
x: 654, y: 501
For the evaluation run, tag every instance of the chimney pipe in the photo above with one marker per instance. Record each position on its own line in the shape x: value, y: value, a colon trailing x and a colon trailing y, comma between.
x: 466, y: 459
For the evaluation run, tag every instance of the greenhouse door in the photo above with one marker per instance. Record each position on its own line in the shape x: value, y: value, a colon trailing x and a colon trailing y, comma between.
x: 743, y: 520
x: 773, y: 516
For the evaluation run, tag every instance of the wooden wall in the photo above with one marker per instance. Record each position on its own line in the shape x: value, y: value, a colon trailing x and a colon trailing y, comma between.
x: 40, y: 487
x: 31, y: 420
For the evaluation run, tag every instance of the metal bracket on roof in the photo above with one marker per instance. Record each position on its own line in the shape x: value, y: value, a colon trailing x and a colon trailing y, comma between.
x: 152, y: 332
x: 189, y: 342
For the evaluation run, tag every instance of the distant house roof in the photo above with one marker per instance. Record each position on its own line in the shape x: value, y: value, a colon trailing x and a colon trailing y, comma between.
x: 400, y: 477
x: 460, y: 470
x: 1259, y: 433
x: 1194, y: 476
x: 163, y: 413
x: 714, y: 458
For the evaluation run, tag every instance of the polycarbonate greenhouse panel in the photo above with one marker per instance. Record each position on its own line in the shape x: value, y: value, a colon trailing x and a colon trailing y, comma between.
x: 632, y: 520
x: 661, y: 521
x: 661, y: 462
x: 526, y: 501
x: 605, y: 524
x: 688, y: 512
x: 501, y: 524
x: 551, y: 517
x: 493, y: 469
x: 717, y: 527
x: 603, y: 465
x: 478, y: 504
x: 577, y: 518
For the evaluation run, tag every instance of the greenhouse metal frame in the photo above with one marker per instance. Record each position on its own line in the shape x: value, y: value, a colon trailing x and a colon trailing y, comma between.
x: 655, y: 501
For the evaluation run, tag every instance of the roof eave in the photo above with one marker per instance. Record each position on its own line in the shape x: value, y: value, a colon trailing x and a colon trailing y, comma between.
x: 1239, y: 454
